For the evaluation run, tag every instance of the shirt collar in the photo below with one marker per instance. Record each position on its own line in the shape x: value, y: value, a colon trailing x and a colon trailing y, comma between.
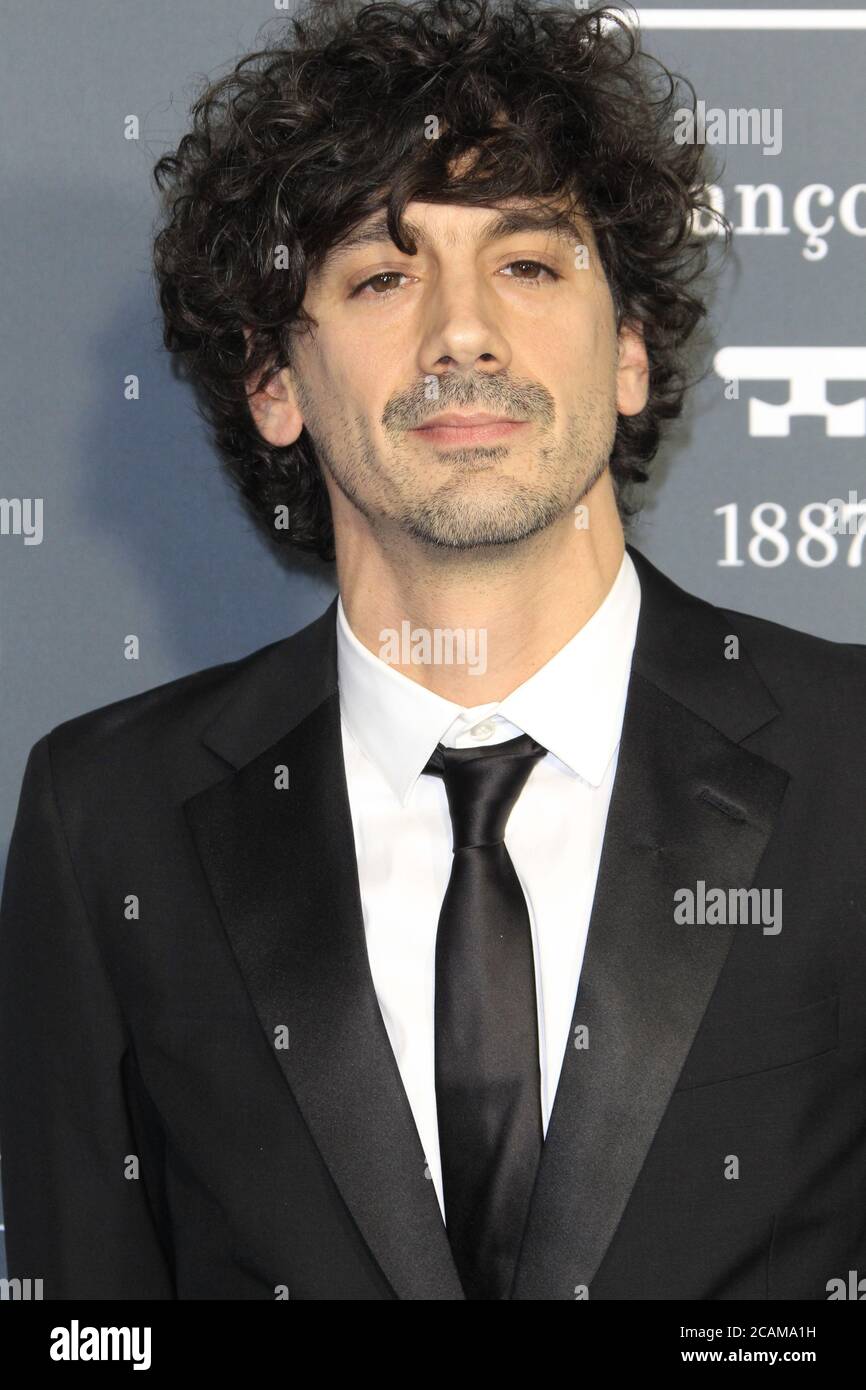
x: 573, y: 705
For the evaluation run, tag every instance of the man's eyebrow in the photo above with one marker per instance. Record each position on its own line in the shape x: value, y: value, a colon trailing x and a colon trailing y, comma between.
x: 508, y: 222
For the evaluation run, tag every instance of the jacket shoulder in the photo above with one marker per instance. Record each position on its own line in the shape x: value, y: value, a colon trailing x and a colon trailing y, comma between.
x: 155, y: 735
x: 186, y: 699
x: 789, y: 659
x: 684, y: 630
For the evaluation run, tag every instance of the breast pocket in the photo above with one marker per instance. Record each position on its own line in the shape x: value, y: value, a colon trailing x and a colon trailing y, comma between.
x: 769, y: 1040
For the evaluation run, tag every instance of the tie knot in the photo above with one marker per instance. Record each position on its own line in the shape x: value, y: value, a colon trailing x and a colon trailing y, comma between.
x: 482, y: 785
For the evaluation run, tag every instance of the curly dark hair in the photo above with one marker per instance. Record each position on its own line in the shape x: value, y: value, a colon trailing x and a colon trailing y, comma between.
x: 325, y: 125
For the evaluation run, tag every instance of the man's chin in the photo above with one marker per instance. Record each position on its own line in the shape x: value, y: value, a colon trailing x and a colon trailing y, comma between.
x: 460, y: 526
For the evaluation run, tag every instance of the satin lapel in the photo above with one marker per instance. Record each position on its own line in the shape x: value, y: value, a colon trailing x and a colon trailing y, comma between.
x: 688, y: 803
x: 281, y: 866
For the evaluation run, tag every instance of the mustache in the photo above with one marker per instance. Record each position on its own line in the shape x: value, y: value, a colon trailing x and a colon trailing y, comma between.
x: 433, y: 395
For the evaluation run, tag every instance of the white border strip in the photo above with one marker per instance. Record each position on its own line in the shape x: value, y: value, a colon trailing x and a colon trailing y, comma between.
x: 746, y: 19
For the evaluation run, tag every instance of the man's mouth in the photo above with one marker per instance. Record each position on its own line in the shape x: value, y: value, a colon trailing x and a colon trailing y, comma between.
x: 479, y: 427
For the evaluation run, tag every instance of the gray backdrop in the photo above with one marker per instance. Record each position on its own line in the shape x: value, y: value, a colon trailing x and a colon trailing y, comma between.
x: 141, y: 533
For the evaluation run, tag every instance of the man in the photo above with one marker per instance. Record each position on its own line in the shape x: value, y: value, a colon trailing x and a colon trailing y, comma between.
x: 500, y: 934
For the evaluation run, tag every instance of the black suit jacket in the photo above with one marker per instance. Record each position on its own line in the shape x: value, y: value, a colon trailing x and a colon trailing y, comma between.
x: 201, y: 1101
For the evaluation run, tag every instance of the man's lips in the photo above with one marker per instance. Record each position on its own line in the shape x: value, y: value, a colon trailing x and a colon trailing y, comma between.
x: 478, y: 428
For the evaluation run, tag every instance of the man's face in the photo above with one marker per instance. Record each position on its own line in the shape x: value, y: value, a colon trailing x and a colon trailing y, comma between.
x: 487, y: 318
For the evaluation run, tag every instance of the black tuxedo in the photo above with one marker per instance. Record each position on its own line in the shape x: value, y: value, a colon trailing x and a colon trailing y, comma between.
x: 264, y: 1166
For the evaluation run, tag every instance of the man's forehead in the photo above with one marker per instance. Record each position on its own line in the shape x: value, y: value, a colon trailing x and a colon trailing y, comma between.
x: 482, y: 226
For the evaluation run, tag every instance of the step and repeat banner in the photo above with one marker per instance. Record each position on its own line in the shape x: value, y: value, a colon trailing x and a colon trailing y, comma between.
x: 115, y: 516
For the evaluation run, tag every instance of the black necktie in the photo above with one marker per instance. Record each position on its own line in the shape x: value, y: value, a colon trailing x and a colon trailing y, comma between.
x: 487, y: 1070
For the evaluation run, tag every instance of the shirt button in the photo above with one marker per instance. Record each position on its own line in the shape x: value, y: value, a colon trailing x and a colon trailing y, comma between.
x: 482, y: 730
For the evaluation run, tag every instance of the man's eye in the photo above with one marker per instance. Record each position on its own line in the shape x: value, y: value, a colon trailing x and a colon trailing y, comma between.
x: 386, y: 290
x: 374, y: 279
x: 534, y: 265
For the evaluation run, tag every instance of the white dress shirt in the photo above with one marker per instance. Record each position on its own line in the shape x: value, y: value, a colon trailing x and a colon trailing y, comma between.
x: 574, y: 707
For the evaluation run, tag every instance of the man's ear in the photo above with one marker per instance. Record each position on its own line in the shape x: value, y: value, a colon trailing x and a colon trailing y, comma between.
x: 632, y: 377
x: 274, y: 409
